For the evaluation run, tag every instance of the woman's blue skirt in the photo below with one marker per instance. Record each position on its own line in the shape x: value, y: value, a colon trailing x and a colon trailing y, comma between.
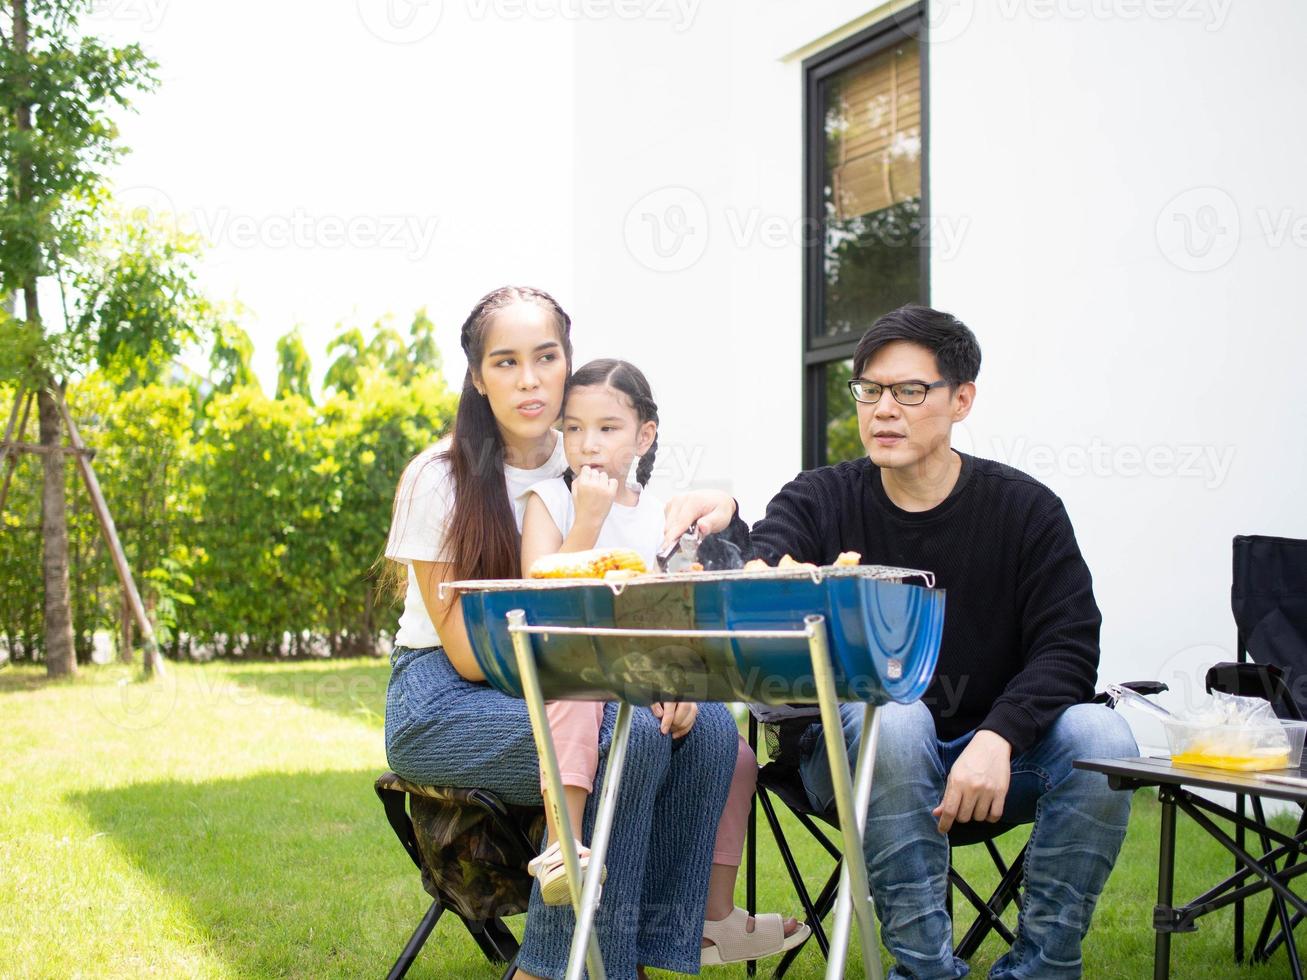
x: 443, y: 730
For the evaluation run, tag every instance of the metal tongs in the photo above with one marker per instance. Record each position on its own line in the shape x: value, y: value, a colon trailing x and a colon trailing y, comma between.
x: 1123, y: 695
x: 681, y: 553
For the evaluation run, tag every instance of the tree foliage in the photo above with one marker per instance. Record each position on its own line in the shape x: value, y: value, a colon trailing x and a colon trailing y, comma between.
x: 252, y: 523
x: 58, y: 91
x: 293, y: 368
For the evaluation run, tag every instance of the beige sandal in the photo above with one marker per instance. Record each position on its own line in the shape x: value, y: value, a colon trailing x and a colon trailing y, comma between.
x: 733, y: 943
x: 548, y: 868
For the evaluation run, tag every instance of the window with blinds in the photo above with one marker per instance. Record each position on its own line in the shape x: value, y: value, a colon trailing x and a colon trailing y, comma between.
x: 874, y: 126
x: 865, y: 187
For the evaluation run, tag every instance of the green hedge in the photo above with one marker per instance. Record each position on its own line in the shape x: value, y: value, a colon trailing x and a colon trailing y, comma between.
x: 252, y: 524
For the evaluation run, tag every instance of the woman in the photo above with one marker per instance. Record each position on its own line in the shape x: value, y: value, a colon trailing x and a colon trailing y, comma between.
x: 458, y: 515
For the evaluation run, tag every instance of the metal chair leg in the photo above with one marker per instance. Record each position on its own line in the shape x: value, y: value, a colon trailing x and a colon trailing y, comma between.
x: 415, y: 941
x: 822, y: 907
x: 751, y: 853
x: 496, y: 941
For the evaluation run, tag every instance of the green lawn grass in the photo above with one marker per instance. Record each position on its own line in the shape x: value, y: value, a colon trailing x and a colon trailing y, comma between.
x: 222, y: 823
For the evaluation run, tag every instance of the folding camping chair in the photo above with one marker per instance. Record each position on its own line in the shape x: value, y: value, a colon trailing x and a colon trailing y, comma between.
x: 472, y: 850
x: 779, y: 780
x: 1269, y: 599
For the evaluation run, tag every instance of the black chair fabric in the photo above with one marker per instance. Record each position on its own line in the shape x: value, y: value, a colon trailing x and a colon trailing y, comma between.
x: 1268, y: 595
x: 472, y: 850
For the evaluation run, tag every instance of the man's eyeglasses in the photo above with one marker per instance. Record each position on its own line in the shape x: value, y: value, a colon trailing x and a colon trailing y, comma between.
x: 905, y: 392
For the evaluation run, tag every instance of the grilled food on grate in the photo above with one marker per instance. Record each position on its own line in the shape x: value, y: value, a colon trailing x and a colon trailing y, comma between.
x: 595, y: 563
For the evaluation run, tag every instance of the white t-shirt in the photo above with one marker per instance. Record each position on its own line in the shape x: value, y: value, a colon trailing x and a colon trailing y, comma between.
x: 639, y: 527
x: 423, y: 505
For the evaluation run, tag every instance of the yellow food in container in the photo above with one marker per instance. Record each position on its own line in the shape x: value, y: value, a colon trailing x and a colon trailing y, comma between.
x: 1216, y: 758
x: 1236, y: 747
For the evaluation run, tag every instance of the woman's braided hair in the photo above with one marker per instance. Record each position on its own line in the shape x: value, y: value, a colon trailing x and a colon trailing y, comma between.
x: 625, y: 377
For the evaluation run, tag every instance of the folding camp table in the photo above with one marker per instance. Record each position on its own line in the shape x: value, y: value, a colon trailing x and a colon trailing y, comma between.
x: 822, y: 635
x: 1276, y: 870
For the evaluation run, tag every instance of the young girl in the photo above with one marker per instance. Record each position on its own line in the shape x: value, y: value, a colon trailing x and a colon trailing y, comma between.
x: 610, y: 421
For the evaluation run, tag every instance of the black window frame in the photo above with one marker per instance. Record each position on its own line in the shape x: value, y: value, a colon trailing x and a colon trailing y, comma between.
x: 816, y: 70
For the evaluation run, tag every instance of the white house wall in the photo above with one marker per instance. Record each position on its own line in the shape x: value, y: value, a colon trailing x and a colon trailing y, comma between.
x: 1150, y: 380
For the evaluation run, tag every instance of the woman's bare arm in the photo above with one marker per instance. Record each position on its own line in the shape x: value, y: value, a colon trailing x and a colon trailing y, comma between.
x: 447, y: 616
x: 540, y: 536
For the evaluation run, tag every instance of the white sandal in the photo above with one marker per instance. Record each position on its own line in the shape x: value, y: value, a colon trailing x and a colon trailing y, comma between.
x: 548, y: 868
x: 733, y: 943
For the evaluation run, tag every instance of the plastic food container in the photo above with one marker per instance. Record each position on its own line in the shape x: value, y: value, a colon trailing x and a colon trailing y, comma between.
x: 883, y: 635
x: 1235, y: 746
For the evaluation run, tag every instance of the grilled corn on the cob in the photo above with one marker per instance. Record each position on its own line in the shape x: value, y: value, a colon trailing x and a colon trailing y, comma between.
x: 588, y: 564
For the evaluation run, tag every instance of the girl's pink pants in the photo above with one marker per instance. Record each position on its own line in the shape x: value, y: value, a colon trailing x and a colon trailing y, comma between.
x: 575, y: 727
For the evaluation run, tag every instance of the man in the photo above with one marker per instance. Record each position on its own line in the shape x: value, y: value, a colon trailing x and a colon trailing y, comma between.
x: 1008, y: 710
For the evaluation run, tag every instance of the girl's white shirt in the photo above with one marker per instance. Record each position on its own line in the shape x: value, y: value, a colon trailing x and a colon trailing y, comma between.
x: 423, y: 505
x: 639, y: 527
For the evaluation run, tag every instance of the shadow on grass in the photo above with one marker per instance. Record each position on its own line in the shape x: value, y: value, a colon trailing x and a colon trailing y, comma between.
x: 357, y: 691
x: 15, y: 680
x: 294, y: 874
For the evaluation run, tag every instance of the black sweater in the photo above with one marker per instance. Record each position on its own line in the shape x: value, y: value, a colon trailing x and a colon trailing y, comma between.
x: 1020, y: 622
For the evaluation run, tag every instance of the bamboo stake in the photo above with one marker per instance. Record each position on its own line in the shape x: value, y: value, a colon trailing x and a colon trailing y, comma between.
x: 153, y: 663
x: 8, y: 449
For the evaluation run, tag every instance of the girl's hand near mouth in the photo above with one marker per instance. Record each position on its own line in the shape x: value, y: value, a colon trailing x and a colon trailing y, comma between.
x: 593, y: 492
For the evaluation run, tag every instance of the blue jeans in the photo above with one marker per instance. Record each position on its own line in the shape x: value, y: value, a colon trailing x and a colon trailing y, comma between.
x: 1079, y: 824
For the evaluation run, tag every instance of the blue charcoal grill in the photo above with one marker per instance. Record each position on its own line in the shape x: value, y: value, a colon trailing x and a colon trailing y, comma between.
x: 775, y: 636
